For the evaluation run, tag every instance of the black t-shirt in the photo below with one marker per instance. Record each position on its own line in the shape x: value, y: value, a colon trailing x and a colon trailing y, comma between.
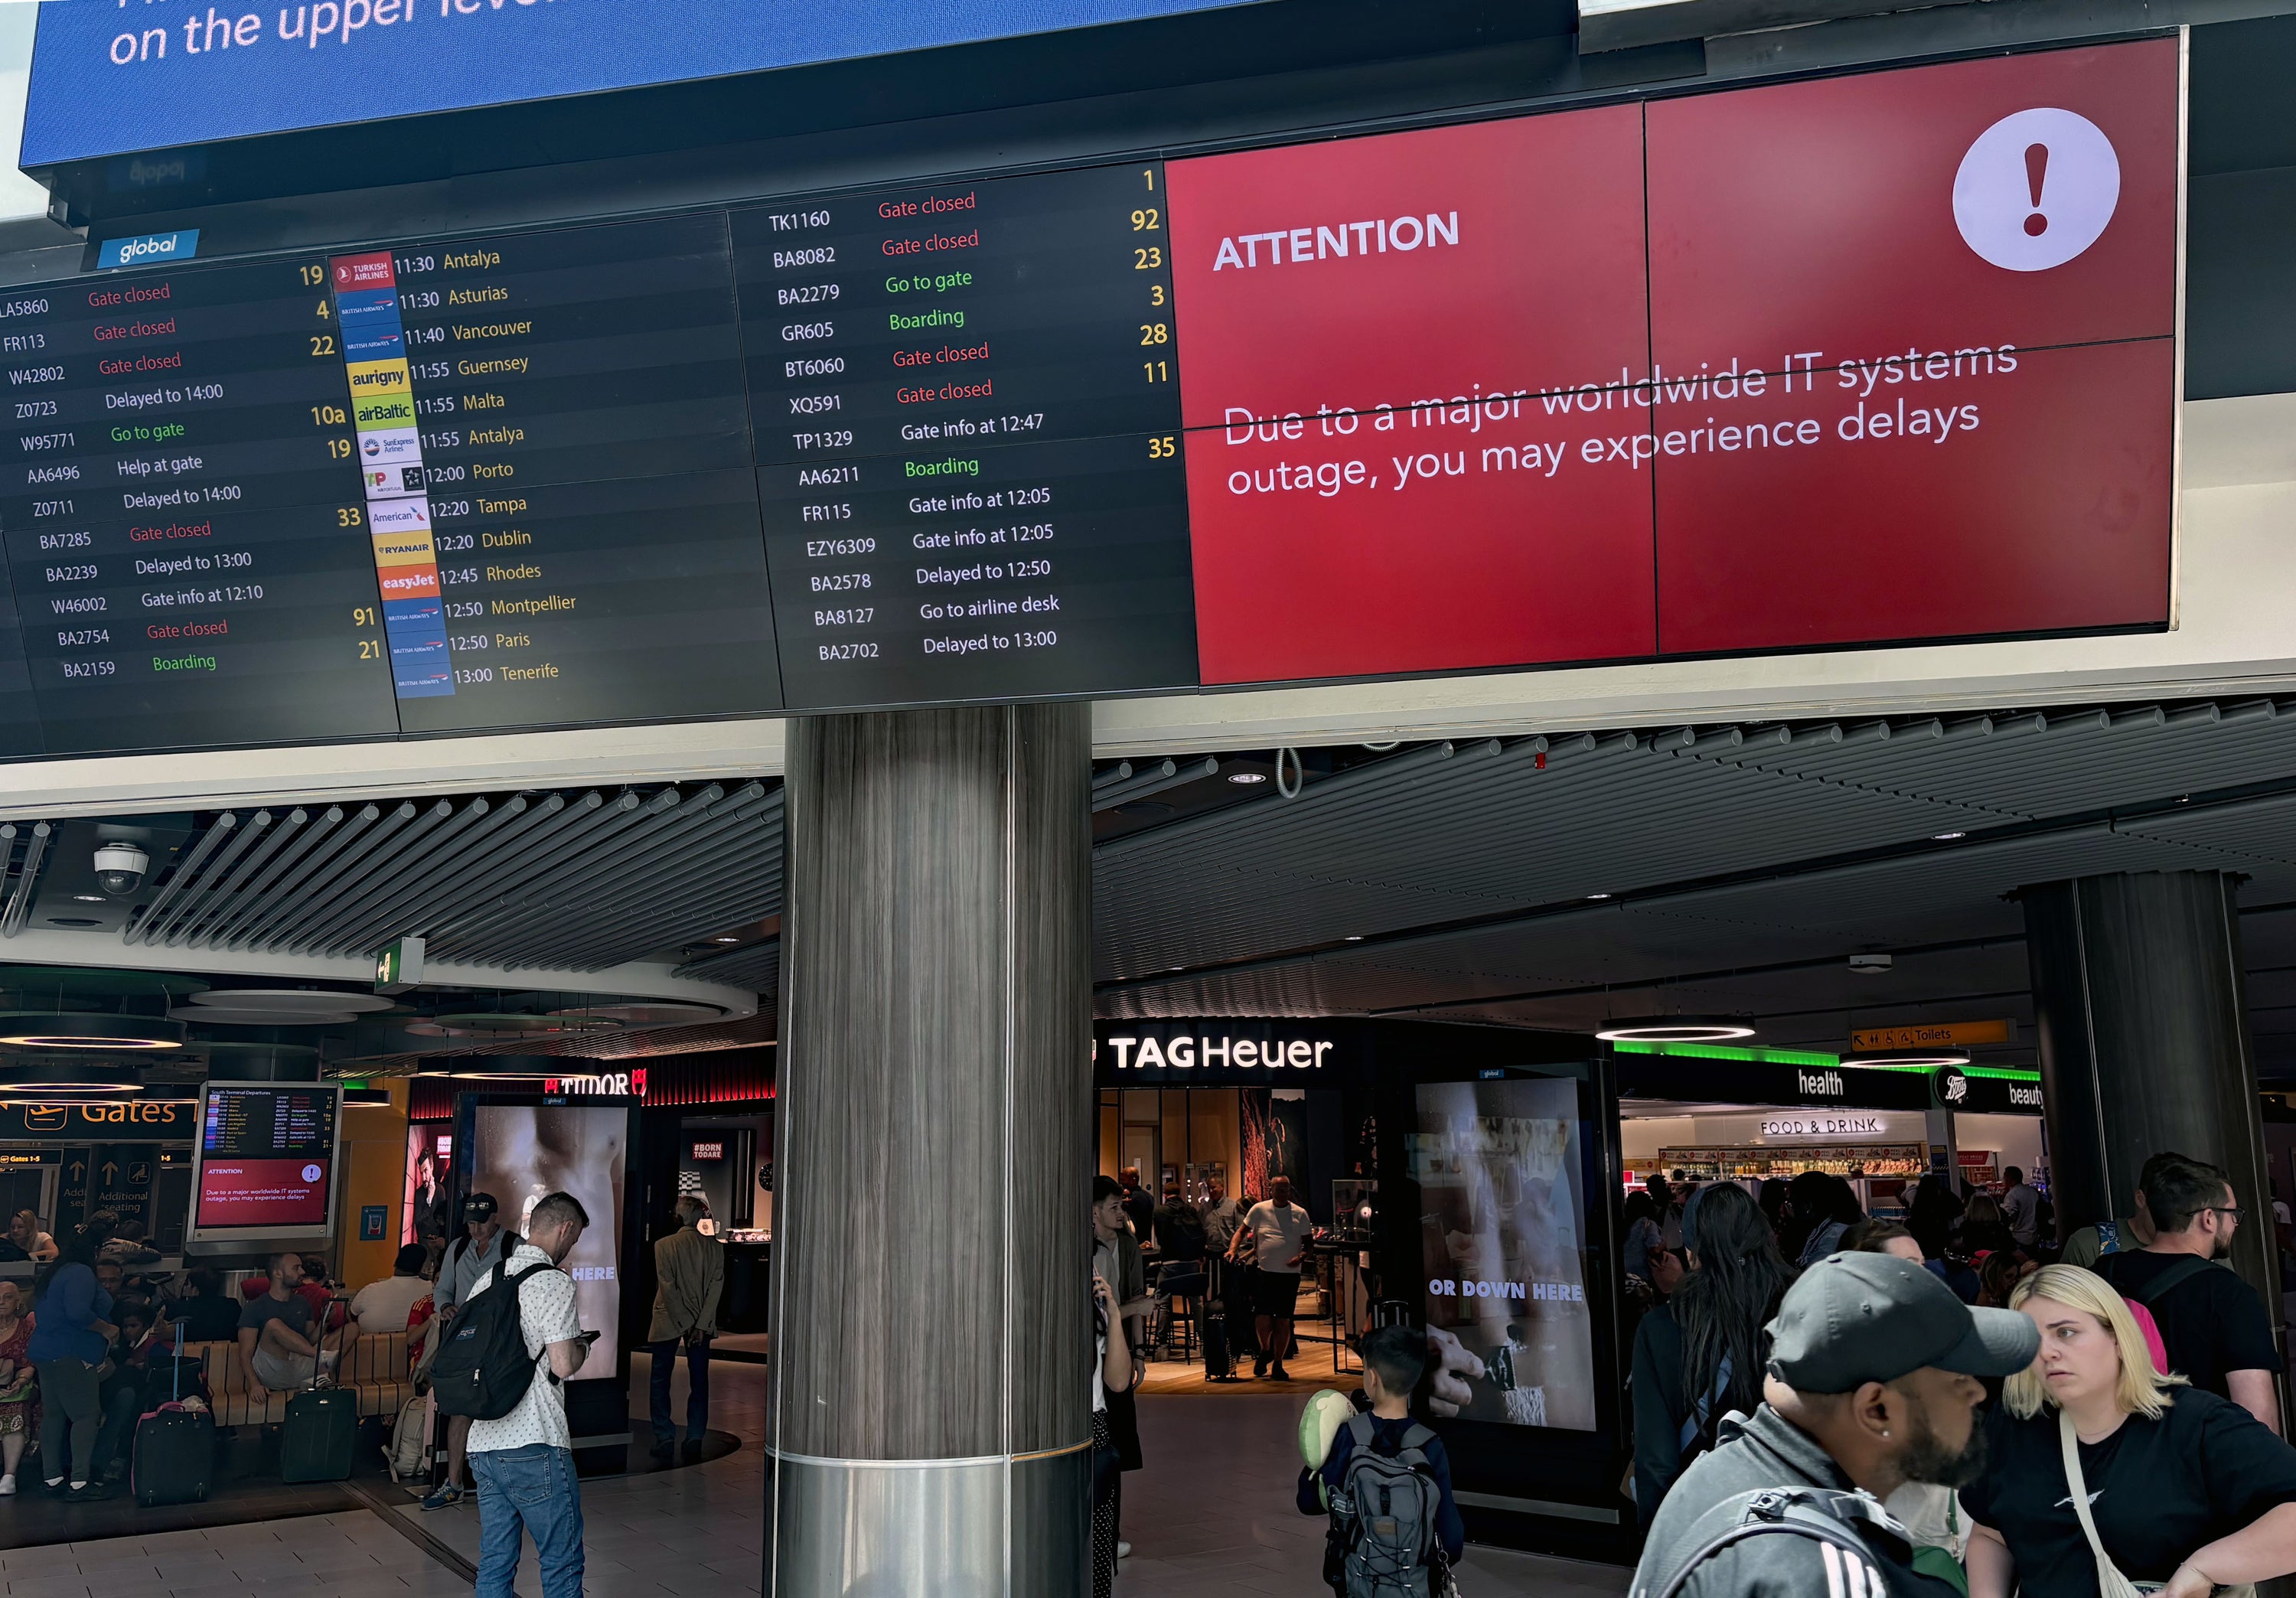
x: 2211, y: 1323
x: 2159, y: 1490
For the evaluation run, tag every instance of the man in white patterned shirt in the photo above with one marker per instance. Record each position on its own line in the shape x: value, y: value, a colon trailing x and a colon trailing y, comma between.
x: 524, y: 1463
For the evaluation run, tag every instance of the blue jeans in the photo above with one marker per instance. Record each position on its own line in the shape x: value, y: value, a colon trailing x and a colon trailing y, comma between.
x: 532, y: 1488
x: 697, y: 1392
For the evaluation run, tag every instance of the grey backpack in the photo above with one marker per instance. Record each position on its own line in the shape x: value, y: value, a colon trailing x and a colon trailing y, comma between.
x: 1383, y: 1516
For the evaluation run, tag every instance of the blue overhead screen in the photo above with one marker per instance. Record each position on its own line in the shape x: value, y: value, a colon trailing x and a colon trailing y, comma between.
x: 113, y: 78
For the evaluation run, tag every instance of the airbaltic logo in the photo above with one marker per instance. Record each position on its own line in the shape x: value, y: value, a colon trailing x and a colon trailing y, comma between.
x: 1186, y: 1052
x: 1403, y: 233
x: 622, y: 1084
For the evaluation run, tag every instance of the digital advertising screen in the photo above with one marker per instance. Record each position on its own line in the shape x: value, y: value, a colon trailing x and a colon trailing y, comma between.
x: 521, y: 1153
x: 1865, y: 360
x: 427, y: 1198
x: 1503, y: 1249
x: 267, y: 1159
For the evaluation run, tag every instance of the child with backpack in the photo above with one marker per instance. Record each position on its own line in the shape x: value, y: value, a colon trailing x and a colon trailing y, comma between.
x: 1386, y: 1484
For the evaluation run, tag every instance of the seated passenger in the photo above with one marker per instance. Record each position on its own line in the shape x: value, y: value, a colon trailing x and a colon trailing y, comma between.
x: 282, y: 1346
x: 122, y: 1393
x: 389, y: 1305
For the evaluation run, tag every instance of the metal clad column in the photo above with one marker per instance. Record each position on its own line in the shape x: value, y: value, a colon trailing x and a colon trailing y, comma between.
x: 930, y: 1422
x: 2140, y: 1003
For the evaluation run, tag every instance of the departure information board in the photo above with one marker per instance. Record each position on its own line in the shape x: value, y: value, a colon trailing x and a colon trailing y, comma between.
x: 1595, y: 385
x: 968, y: 439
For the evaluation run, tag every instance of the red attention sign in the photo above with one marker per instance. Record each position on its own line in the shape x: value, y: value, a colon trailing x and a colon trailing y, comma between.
x: 1861, y: 360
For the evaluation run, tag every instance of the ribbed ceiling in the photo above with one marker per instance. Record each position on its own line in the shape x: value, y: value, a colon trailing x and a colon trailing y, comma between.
x: 578, y: 881
x: 1556, y: 883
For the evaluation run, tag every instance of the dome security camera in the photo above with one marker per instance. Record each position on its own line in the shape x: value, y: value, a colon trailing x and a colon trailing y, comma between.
x: 119, y: 868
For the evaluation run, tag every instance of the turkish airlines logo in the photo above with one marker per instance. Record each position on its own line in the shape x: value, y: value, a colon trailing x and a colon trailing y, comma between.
x: 2036, y: 189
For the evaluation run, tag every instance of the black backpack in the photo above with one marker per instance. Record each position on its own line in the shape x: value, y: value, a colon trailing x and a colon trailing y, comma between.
x: 483, y: 1369
x: 1817, y: 1515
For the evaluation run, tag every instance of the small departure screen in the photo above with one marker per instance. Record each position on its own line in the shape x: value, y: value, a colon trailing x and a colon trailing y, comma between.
x: 266, y: 1156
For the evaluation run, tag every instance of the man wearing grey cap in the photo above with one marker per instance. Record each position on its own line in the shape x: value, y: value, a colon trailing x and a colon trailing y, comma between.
x: 467, y: 1259
x: 1872, y: 1384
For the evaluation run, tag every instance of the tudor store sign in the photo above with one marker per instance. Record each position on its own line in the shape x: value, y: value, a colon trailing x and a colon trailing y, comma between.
x: 610, y: 1084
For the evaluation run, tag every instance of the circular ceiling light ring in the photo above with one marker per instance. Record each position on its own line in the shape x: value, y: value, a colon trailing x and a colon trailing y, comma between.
x: 1676, y: 1028
x: 49, y: 1078
x: 75, y: 1030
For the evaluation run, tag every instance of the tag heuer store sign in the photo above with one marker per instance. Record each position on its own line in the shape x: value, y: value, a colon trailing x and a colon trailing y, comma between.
x: 166, y: 1120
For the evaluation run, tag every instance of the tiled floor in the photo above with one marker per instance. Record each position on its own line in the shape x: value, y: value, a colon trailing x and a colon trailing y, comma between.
x: 1212, y: 1514
x: 350, y: 1553
x: 1211, y: 1517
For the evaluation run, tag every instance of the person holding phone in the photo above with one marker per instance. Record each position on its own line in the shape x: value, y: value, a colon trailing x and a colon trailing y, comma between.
x: 1112, y: 1373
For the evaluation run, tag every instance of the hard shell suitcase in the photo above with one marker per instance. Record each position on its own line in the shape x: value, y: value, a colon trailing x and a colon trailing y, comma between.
x: 172, y: 1458
x: 321, y: 1434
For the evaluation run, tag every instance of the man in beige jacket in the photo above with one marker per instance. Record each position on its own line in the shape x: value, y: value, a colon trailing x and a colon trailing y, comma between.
x: 690, y: 1272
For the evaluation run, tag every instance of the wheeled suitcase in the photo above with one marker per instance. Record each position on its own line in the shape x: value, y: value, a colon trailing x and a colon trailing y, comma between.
x: 1235, y: 1296
x: 172, y: 1458
x: 321, y: 1435
x: 1217, y: 1365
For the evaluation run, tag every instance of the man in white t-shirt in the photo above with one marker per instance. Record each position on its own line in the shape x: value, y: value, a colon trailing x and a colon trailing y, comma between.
x: 1279, y: 1231
x: 524, y: 1463
x: 382, y: 1308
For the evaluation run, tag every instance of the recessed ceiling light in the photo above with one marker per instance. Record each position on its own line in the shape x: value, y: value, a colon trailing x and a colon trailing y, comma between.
x: 1598, y: 896
x: 1946, y: 837
x: 1247, y: 778
x: 1676, y: 1028
x: 1178, y: 968
x: 1355, y: 937
x: 725, y: 940
x: 88, y: 898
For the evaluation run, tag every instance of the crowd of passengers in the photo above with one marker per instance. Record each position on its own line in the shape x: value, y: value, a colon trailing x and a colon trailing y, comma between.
x: 90, y: 1344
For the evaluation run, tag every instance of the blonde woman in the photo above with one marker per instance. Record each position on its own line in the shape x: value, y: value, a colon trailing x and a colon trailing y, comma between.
x: 2185, y: 1489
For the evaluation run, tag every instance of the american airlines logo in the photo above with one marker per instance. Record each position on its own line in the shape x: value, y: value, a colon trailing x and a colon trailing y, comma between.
x: 620, y: 1085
